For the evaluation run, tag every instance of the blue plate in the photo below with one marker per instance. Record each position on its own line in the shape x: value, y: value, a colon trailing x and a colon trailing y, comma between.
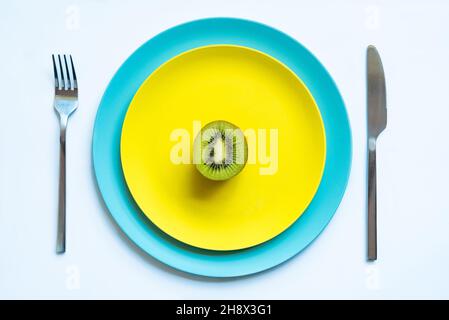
x: 106, y: 147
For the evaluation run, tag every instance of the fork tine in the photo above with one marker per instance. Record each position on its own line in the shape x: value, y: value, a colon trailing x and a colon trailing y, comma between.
x: 62, y: 72
x: 55, y: 71
x: 67, y: 73
x: 75, y: 82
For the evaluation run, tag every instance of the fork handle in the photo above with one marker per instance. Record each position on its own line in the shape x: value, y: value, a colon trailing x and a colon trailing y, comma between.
x: 372, y: 201
x: 61, y: 236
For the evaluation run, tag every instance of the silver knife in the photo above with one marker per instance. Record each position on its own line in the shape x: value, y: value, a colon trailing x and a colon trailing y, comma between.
x: 377, y: 122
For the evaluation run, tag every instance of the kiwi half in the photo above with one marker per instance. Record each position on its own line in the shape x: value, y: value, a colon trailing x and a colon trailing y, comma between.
x: 220, y: 150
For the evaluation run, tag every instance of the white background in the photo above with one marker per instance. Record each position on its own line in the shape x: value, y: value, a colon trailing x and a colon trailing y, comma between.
x: 413, y: 153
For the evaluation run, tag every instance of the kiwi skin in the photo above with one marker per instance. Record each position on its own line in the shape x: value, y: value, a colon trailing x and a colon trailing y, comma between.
x: 218, y: 149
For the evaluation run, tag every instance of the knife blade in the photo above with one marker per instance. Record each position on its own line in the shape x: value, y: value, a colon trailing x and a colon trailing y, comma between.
x: 377, y: 122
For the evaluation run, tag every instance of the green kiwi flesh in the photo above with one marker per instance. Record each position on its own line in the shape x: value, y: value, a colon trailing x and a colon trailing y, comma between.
x: 220, y: 150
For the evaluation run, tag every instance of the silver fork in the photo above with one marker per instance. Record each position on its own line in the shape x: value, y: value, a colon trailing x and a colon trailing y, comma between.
x: 66, y: 102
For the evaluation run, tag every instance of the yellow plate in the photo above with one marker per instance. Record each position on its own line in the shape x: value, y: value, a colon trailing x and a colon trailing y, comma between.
x: 251, y: 90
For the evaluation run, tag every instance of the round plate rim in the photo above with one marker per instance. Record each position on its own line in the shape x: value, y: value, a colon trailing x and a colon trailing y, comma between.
x: 201, y: 269
x: 287, y: 69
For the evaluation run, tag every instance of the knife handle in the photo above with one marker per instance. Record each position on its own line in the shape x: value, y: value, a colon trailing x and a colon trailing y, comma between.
x: 372, y: 201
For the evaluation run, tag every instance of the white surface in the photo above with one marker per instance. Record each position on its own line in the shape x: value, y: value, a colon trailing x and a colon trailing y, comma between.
x: 413, y: 154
